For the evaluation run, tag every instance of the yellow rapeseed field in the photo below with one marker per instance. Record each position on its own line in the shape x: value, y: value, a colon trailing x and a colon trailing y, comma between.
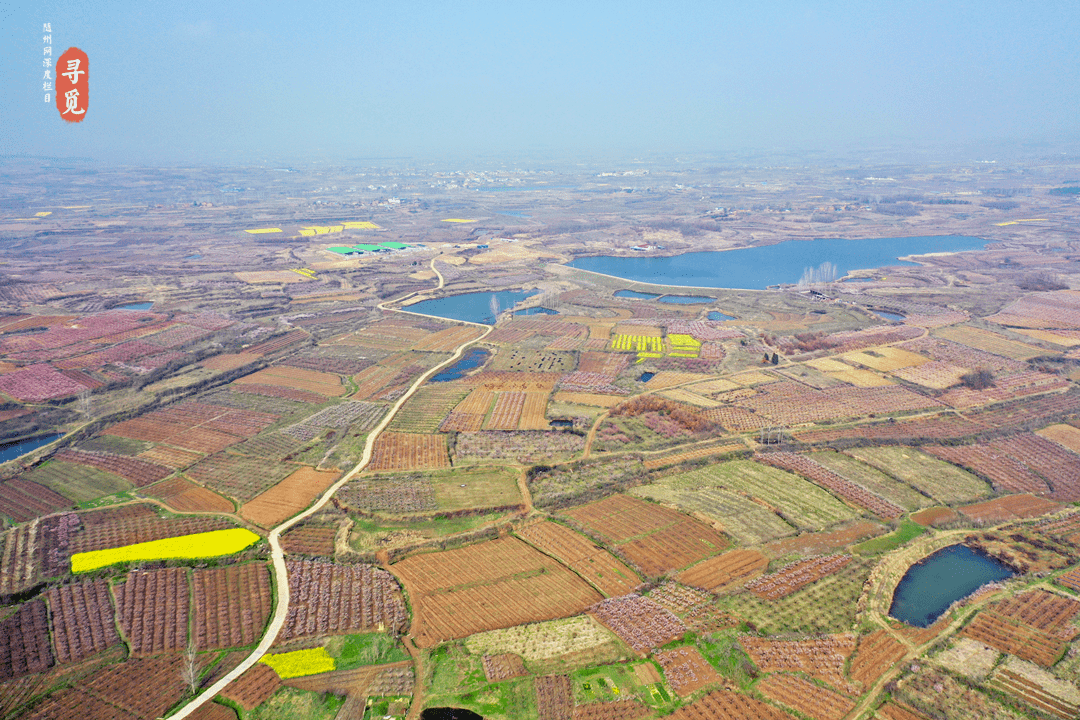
x: 300, y: 662
x: 208, y: 544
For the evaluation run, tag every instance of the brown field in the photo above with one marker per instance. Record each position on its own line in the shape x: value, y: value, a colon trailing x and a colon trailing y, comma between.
x: 490, y: 585
x: 253, y: 687
x: 389, y: 679
x: 405, y: 451
x: 804, y: 696
x: 447, y: 340
x: 171, y: 457
x: 734, y: 566
x: 821, y: 658
x: 603, y: 363
x: 185, y: 496
x: 1006, y: 473
x: 371, y: 380
x: 534, y: 412
x: 893, y: 710
x: 836, y: 484
x: 886, y: 359
x: 24, y: 641
x: 666, y: 379
x: 990, y: 342
x: 1015, y: 637
x: 611, y: 710
x: 591, y: 399
x: 231, y: 606
x: 1070, y: 580
x: 641, y: 622
x: 507, y: 411
x: 1041, y: 609
x: 1009, y: 507
x: 689, y: 455
x: 554, y: 697
x: 288, y: 497
x: 84, y: 621
x: 936, y: 375
x: 727, y: 705
x: 686, y: 671
x: 589, y: 561
x: 138, y: 472
x: 239, y: 476
x: 1038, y: 688
x: 153, y: 610
x: 130, y: 524
x: 144, y: 689
x: 310, y: 540
x: 1065, y: 435
x: 277, y: 391
x: 795, y: 576
x: 657, y: 539
x: 228, y: 361
x: 503, y: 667
x: 331, y: 598
x: 878, y: 652
x: 824, y: 542
x: 22, y: 500
x: 934, y: 516
x: 297, y: 379
x: 507, y: 381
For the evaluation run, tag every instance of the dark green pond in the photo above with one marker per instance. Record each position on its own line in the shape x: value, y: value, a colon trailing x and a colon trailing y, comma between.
x: 929, y: 587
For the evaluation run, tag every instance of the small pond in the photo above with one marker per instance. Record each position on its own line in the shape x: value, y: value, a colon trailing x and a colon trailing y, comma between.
x: 475, y: 358
x: 636, y: 295
x: 686, y: 299
x: 537, y: 311
x: 14, y: 450
x: 897, y: 317
x: 930, y: 586
x: 717, y: 315
x: 135, y: 306
x: 474, y: 307
x: 646, y: 376
x: 448, y: 713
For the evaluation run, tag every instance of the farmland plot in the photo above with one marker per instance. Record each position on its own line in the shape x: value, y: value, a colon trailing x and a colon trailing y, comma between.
x: 969, y: 658
x: 314, y: 381
x: 878, y: 652
x: 138, y: 472
x: 554, y: 697
x: 990, y: 342
x: 941, y: 481
x: 310, y: 540
x: 507, y: 411
x: 468, y: 415
x: 232, y: 604
x: 254, y: 687
x: 821, y: 658
x: 329, y: 598
x: 239, y: 476
x: 356, y: 415
x: 153, y: 609
x: 804, y: 696
x: 543, y: 641
x: 826, y: 606
x: 686, y: 671
x: 185, y: 496
x: 836, y: 484
x: 1016, y: 638
x: 288, y: 497
x: 428, y: 407
x: 1004, y: 472
x: 589, y: 561
x: 24, y: 641
x: 1038, y: 688
x: 405, y: 451
x: 655, y: 538
x: 498, y: 583
x: 641, y: 622
x: 825, y: 542
x: 117, y: 528
x: 732, y: 567
x: 941, y: 695
x: 447, y: 340
x: 393, y: 494
x: 727, y: 705
x: 795, y: 576
x: 79, y: 483
x: 83, y: 618
x: 22, y: 500
x: 171, y: 457
x: 745, y: 520
x: 872, y: 479
x: 521, y: 446
x: 804, y: 504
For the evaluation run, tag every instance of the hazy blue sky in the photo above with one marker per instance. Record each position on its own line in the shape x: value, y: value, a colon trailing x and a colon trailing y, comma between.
x: 241, y: 81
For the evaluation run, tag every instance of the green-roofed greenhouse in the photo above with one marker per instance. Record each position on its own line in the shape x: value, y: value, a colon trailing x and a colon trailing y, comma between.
x: 342, y: 250
x: 368, y: 248
x: 394, y: 245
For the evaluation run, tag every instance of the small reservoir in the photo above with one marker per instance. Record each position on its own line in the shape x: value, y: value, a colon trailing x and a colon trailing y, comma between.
x: 476, y: 357
x: 717, y: 315
x: 686, y: 299
x: 16, y: 449
x: 884, y: 315
x: 135, y: 306
x: 930, y: 586
x: 474, y: 307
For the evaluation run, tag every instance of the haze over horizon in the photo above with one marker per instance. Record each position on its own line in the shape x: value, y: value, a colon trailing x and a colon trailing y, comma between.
x: 271, y: 82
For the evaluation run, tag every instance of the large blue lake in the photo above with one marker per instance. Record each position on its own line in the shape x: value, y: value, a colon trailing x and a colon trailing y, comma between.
x: 474, y: 307
x: 758, y: 267
x: 928, y: 589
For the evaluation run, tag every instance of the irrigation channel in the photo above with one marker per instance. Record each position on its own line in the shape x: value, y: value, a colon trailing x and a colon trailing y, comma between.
x: 277, y: 555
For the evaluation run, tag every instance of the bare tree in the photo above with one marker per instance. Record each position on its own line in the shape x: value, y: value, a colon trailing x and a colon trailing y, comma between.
x: 189, y: 671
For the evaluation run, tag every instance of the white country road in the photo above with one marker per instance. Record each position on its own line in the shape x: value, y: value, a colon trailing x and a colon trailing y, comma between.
x: 281, y: 575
